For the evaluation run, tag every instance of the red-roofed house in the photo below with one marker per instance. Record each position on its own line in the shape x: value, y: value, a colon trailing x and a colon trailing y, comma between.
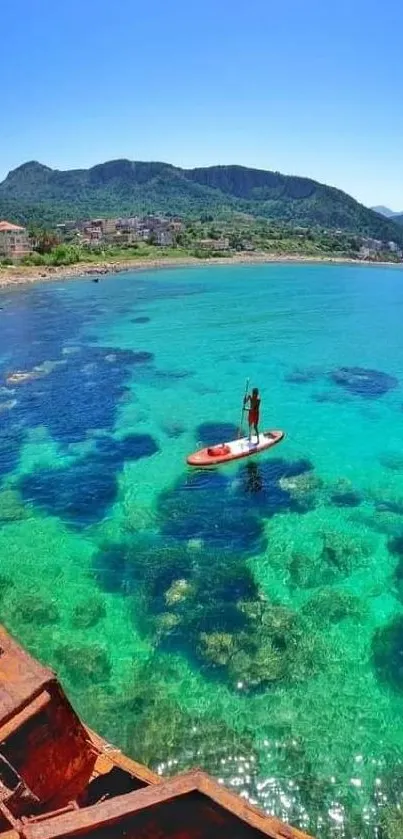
x: 14, y: 241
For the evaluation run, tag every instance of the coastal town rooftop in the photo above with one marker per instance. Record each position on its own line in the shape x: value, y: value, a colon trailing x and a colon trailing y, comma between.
x: 8, y: 227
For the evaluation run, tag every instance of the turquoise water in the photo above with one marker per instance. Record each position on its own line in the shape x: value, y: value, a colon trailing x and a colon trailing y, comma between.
x: 247, y: 619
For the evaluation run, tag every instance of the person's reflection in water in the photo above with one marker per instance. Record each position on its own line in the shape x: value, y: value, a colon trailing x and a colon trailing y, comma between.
x: 253, y: 478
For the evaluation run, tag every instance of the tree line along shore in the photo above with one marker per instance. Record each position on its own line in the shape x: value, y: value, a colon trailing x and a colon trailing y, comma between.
x: 108, y: 245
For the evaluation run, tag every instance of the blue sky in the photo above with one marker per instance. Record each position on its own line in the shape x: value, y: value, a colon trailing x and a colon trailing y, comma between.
x: 312, y: 88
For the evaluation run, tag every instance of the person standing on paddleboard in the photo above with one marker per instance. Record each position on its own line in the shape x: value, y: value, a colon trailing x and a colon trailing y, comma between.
x: 254, y: 411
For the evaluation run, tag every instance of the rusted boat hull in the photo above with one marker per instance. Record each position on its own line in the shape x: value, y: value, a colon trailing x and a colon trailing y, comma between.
x: 59, y: 779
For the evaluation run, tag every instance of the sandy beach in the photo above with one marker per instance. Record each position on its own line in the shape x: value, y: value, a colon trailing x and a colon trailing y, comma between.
x: 20, y: 275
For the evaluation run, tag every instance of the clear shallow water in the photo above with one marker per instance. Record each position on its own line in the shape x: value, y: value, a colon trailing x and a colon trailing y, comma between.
x: 249, y: 619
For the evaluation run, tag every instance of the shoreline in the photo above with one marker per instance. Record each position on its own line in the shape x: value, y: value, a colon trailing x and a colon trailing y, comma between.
x: 21, y: 275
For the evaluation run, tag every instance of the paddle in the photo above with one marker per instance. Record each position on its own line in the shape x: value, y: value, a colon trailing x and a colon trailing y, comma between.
x: 240, y: 432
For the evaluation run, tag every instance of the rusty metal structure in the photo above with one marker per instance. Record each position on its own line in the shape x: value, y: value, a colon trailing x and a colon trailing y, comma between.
x: 58, y: 779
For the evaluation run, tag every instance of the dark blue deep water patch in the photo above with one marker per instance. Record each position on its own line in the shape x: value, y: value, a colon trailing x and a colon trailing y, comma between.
x: 140, y: 319
x: 71, y: 393
x: 261, y: 483
x: 387, y: 506
x: 11, y: 441
x: 201, y: 506
x: 225, y: 512
x: 110, y: 567
x: 142, y: 357
x: 82, y: 492
x: 209, y: 433
x: 80, y: 394
x: 36, y: 325
x: 72, y: 387
x: 131, y: 447
x: 395, y: 545
x: 369, y: 384
x: 204, y: 591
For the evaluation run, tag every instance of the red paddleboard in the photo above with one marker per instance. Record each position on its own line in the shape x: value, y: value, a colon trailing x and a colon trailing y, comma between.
x: 225, y: 452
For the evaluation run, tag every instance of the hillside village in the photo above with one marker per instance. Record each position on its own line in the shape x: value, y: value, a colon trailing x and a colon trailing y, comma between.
x: 201, y: 238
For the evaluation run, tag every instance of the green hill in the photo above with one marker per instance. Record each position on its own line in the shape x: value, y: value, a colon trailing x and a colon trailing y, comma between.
x: 398, y: 219
x: 36, y: 193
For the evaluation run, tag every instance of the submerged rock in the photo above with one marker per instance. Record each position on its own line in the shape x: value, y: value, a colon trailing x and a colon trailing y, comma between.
x: 391, y: 822
x: 217, y: 647
x: 178, y: 591
x: 398, y: 576
x: 341, y: 555
x: 173, y: 429
x: 39, y: 371
x: 392, y: 460
x: 166, y: 624
x: 249, y: 662
x: 387, y: 653
x: 390, y: 506
x: 33, y: 608
x: 70, y: 350
x: 84, y: 665
x: 138, y: 517
x: 11, y: 506
x: 255, y: 667
x: 6, y: 584
x: 395, y: 545
x: 7, y: 406
x: 343, y: 494
x: 88, y: 613
x: 272, y: 646
x: 304, y: 570
x: 303, y: 488
x: 195, y: 544
x: 367, y: 383
x: 20, y: 376
x: 348, y: 498
x: 330, y: 605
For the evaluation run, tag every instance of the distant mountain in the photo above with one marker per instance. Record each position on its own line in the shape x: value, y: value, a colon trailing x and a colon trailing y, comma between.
x: 36, y: 193
x: 398, y: 218
x: 384, y: 211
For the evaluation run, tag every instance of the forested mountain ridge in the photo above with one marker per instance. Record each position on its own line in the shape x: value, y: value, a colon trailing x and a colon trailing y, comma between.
x: 34, y: 193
